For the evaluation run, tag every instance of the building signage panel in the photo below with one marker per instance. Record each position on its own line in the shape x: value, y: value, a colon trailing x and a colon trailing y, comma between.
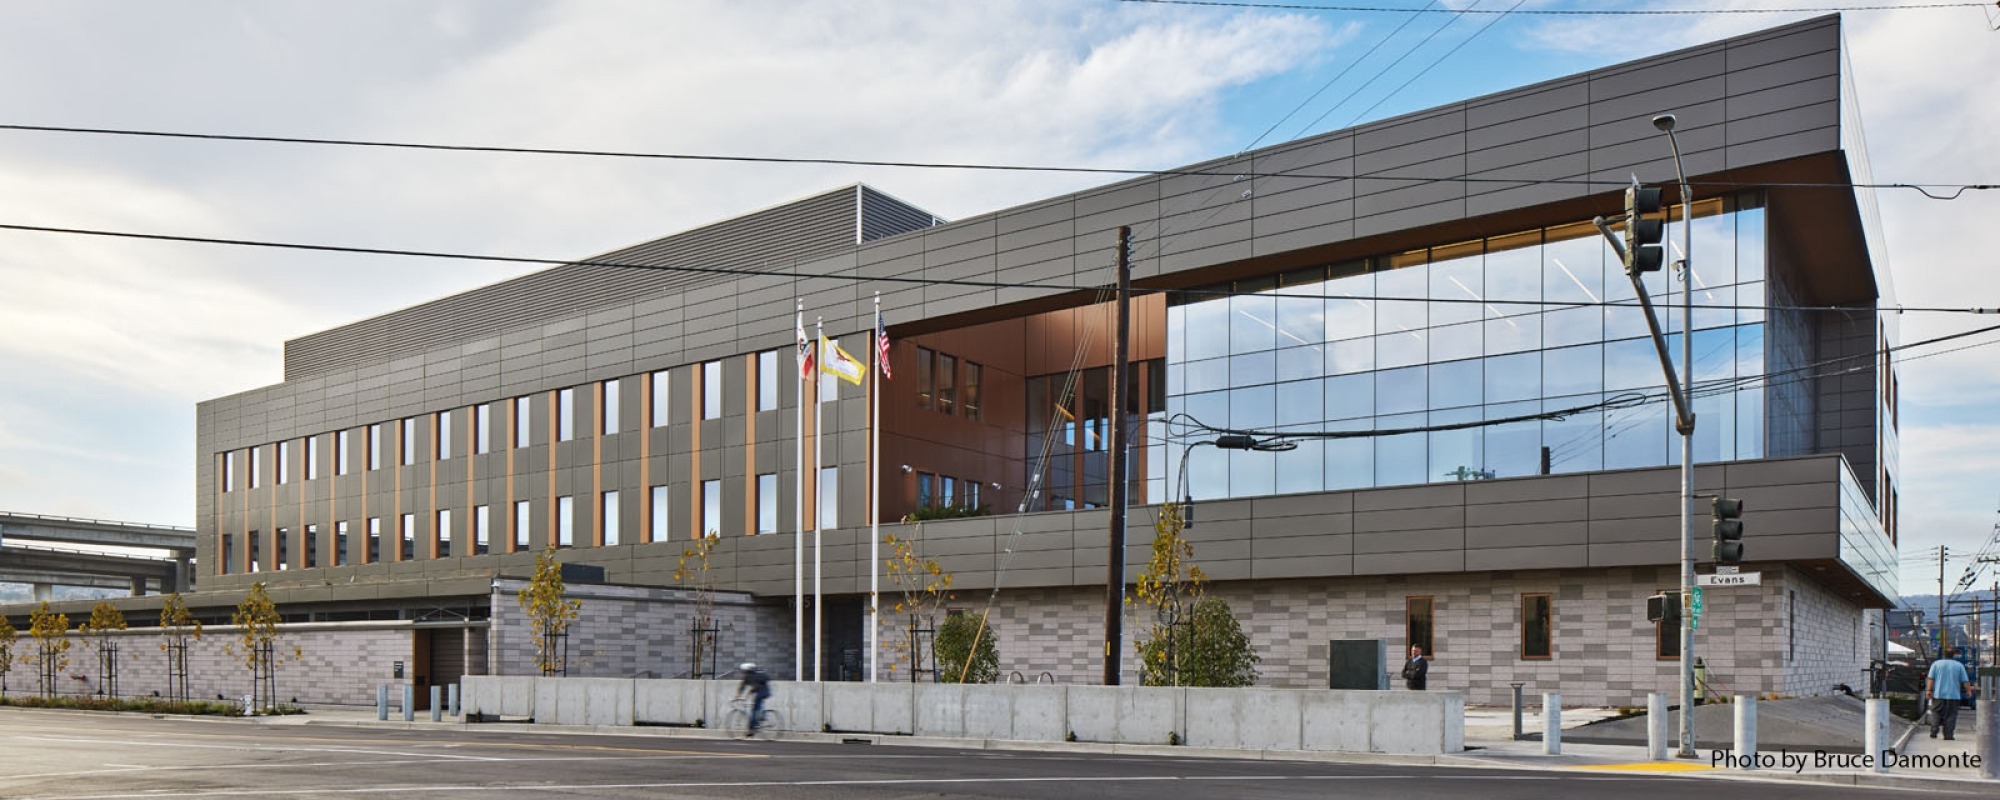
x: 1739, y: 579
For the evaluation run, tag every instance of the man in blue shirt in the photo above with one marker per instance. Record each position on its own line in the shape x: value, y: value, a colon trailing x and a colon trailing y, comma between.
x: 1948, y: 686
x: 757, y: 684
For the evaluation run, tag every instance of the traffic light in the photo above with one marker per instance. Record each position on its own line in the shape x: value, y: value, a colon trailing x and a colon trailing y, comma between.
x: 1728, y: 531
x: 1664, y: 607
x: 1643, y: 232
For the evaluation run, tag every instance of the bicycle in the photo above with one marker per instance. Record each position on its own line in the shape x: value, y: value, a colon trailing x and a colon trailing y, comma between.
x: 738, y: 720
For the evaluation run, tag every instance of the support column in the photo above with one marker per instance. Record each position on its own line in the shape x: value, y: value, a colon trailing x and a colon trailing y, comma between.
x: 1875, y: 738
x: 1746, y: 730
x: 1656, y: 726
x: 1552, y: 726
x: 44, y: 592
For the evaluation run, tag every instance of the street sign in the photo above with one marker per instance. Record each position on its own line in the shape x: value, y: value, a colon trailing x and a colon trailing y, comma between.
x: 1694, y: 608
x: 1739, y: 579
x: 1726, y: 569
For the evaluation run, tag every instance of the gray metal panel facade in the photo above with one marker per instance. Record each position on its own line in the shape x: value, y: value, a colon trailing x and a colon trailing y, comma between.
x: 1762, y: 98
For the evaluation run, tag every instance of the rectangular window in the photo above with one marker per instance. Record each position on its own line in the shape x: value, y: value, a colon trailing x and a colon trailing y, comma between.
x: 968, y: 400
x: 284, y: 549
x: 284, y: 463
x: 926, y: 494
x: 610, y: 406
x: 482, y: 529
x: 565, y: 415
x: 660, y: 397
x: 1418, y: 624
x: 926, y: 390
x: 1537, y: 626
x: 444, y: 533
x: 947, y: 491
x: 660, y: 518
x: 443, y: 436
x: 340, y: 544
x: 228, y: 554
x: 767, y: 380
x: 711, y: 507
x: 256, y: 467
x: 565, y: 521
x: 374, y: 554
x: 340, y: 453
x: 256, y: 550
x: 409, y: 440
x: 312, y: 458
x: 406, y: 533
x: 829, y: 497
x: 524, y: 421
x: 375, y: 446
x: 610, y: 510
x: 229, y: 472
x: 968, y: 493
x: 312, y: 547
x: 523, y: 525
x: 482, y: 428
x: 1667, y: 636
x: 767, y: 503
x: 711, y: 390
x: 947, y: 384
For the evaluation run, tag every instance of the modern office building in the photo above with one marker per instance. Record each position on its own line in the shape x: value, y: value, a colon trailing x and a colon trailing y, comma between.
x: 1370, y: 292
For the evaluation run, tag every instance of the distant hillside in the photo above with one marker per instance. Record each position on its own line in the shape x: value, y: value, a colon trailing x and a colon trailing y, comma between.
x: 23, y: 593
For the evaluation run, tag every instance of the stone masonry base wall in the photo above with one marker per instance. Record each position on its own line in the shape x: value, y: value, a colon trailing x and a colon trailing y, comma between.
x: 1603, y: 647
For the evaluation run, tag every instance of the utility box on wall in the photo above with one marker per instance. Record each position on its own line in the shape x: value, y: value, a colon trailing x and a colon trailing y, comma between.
x: 1357, y: 664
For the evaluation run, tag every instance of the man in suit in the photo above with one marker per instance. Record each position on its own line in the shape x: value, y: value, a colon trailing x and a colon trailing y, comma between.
x: 1416, y: 671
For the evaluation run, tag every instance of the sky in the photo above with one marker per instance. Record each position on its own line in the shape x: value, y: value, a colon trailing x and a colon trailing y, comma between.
x: 106, y: 345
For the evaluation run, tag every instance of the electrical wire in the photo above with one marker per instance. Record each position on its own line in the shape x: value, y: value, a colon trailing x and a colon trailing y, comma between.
x: 1566, y: 12
x: 1925, y: 188
x: 1335, y: 79
x: 1434, y: 63
x: 1456, y: 16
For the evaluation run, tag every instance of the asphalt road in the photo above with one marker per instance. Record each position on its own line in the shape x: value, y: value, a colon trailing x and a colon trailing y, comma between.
x: 47, y: 755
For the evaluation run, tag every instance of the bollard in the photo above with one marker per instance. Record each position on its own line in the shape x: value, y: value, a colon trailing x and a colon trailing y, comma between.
x: 1518, y: 733
x: 409, y: 703
x: 382, y: 702
x: 437, y: 704
x: 1746, y: 731
x: 1552, y: 729
x: 1987, y: 719
x: 1875, y: 739
x: 1656, y: 726
x: 454, y: 700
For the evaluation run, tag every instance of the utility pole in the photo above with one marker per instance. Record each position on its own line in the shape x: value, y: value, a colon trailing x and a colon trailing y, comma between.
x: 1114, y: 572
x: 1944, y: 631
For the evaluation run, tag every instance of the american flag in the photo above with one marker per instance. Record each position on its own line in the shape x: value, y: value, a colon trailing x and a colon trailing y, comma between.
x: 882, y: 346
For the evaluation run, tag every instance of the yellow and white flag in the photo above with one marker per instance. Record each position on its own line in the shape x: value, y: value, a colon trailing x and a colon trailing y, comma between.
x: 837, y: 361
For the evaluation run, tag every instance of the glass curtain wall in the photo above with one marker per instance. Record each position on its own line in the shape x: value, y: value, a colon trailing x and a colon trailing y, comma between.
x: 1489, y: 329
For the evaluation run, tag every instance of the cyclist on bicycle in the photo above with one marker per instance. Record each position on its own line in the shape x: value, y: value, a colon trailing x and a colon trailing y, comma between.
x: 758, y: 685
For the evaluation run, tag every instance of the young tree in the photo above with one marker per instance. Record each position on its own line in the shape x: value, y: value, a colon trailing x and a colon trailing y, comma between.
x: 177, y: 626
x: 925, y: 587
x: 104, y: 618
x: 7, y: 637
x: 965, y: 650
x: 549, y: 613
x: 1192, y: 639
x: 256, y: 619
x: 51, y: 657
x: 692, y: 571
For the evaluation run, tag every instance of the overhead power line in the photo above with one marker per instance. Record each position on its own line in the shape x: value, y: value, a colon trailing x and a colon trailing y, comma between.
x: 1563, y: 12
x: 906, y: 279
x: 1927, y: 189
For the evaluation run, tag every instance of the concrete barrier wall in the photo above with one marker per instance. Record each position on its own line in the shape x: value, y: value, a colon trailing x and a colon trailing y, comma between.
x: 1408, y: 723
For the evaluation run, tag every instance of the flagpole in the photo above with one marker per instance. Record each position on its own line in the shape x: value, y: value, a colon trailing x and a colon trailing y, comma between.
x: 875, y: 491
x: 799, y: 514
x: 819, y: 519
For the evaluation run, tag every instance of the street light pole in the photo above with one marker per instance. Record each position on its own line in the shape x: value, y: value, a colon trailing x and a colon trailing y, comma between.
x: 1665, y: 122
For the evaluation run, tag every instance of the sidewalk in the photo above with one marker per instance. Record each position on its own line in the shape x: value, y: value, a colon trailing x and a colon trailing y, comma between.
x: 1488, y: 738
x: 1490, y: 731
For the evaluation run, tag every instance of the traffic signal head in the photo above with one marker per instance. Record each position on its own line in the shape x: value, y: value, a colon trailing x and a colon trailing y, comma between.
x: 1643, y: 251
x: 1728, y: 530
x: 1665, y: 607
